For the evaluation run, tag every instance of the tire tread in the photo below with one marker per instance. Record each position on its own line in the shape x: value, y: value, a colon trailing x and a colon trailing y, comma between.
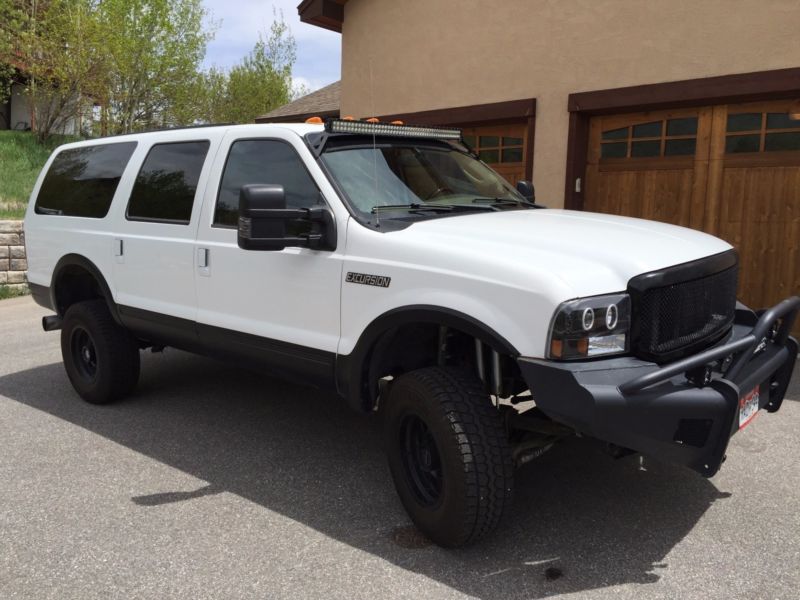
x: 478, y: 432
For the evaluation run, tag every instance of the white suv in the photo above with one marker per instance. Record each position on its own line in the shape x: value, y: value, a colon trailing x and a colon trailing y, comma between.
x: 387, y: 263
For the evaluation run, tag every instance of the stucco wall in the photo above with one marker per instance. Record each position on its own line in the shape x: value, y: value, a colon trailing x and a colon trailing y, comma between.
x: 424, y: 54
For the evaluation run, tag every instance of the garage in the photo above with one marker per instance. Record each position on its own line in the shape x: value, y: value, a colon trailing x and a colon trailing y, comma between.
x: 730, y: 170
x: 719, y: 154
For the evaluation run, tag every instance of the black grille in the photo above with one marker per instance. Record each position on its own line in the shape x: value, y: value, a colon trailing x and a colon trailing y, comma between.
x: 679, y: 317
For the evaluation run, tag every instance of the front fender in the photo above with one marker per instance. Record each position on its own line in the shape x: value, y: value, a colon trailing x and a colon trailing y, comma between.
x: 351, y: 369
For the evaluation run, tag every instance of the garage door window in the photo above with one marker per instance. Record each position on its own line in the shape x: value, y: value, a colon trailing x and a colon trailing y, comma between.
x: 494, y: 149
x: 653, y: 139
x: 761, y: 132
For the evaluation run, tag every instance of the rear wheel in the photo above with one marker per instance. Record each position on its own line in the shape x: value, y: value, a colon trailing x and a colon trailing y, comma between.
x: 100, y: 357
x: 448, y: 454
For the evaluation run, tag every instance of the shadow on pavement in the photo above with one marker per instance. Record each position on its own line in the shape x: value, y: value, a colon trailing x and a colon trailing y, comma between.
x: 580, y: 521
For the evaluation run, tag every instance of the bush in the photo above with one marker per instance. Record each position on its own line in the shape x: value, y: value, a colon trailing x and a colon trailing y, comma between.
x: 13, y: 291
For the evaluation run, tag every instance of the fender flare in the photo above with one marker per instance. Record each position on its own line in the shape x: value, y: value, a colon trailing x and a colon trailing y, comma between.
x: 350, y: 367
x: 77, y: 260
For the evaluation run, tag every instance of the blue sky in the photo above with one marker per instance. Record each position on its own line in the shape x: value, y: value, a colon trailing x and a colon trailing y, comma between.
x: 240, y: 21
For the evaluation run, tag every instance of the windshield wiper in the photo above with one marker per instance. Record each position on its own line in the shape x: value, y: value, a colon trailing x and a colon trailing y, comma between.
x: 411, y: 207
x: 505, y: 202
x: 417, y: 207
x: 49, y: 211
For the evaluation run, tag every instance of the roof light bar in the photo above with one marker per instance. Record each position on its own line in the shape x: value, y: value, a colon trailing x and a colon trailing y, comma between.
x: 371, y: 128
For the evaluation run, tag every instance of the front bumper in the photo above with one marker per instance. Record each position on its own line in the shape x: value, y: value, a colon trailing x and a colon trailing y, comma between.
x: 656, y: 409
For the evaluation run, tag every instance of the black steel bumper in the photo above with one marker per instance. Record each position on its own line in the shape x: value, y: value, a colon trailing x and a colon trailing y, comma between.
x: 656, y: 409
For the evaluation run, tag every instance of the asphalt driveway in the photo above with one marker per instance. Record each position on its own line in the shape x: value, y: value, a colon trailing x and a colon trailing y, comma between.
x: 218, y: 483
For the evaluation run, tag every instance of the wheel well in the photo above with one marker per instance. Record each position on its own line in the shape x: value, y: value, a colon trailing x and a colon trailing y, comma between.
x: 415, y: 345
x: 75, y: 283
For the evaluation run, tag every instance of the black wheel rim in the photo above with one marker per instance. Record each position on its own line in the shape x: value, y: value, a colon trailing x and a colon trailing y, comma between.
x: 421, y: 460
x: 84, y: 353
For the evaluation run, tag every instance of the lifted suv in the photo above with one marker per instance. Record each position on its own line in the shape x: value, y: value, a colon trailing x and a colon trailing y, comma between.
x: 389, y: 264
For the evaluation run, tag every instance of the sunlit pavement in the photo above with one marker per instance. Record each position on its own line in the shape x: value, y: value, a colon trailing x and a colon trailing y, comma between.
x: 218, y: 483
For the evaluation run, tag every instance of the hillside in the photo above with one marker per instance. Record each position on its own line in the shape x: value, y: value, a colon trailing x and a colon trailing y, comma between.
x: 21, y: 159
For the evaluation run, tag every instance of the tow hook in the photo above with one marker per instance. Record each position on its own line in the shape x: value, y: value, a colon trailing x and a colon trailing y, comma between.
x: 51, y: 323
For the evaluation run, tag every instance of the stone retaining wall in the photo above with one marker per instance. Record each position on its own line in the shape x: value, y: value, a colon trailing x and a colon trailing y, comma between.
x: 13, y: 264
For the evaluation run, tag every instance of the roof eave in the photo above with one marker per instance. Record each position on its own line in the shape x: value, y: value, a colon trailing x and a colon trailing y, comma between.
x: 297, y: 118
x: 327, y: 14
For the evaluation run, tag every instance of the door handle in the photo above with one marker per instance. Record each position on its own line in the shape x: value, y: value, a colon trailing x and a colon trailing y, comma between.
x: 119, y: 250
x: 204, y: 262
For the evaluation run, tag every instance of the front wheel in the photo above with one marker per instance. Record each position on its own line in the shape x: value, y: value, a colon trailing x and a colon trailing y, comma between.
x: 448, y: 454
x: 101, y: 358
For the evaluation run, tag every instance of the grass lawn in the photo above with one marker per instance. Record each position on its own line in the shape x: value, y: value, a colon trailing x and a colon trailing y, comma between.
x: 10, y: 292
x: 21, y: 159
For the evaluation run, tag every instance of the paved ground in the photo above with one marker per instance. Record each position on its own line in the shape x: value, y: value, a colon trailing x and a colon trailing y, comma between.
x: 218, y: 483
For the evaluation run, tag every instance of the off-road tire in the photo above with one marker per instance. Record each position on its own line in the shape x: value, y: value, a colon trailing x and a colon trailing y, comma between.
x: 101, y: 358
x: 477, y: 471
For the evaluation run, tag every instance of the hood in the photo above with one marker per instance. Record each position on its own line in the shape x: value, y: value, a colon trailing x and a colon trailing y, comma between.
x: 589, y: 253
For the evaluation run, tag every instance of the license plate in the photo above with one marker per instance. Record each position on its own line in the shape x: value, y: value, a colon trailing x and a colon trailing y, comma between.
x: 748, y: 407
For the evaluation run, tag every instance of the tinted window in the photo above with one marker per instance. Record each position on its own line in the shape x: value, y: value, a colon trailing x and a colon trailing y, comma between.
x: 648, y: 129
x: 167, y: 182
x: 616, y: 134
x: 615, y: 150
x: 81, y: 182
x: 744, y: 122
x: 641, y: 149
x: 684, y: 126
x: 263, y: 161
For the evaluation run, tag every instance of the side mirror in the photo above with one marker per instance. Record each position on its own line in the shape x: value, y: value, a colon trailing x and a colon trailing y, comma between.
x: 525, y: 188
x: 264, y: 221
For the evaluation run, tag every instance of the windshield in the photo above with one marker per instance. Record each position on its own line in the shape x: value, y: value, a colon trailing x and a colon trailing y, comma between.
x: 418, y: 177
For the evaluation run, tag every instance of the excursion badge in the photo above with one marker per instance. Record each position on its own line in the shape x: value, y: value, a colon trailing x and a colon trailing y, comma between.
x: 367, y: 279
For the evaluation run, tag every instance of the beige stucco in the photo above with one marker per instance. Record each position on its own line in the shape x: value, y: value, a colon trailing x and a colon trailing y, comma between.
x: 411, y: 55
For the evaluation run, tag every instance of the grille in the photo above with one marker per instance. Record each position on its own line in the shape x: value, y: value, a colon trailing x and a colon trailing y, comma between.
x: 676, y: 319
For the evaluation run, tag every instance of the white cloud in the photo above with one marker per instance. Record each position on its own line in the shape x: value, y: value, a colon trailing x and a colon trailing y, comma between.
x: 240, y: 22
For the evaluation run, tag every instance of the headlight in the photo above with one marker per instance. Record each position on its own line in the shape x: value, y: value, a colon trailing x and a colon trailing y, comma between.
x: 590, y: 327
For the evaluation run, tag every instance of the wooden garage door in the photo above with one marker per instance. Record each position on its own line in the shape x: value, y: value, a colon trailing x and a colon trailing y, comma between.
x: 733, y: 171
x: 502, y: 147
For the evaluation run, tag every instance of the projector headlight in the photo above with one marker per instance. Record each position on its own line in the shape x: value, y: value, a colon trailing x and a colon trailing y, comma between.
x: 590, y: 327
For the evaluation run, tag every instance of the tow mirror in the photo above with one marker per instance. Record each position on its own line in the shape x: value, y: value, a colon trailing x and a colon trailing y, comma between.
x: 525, y: 188
x: 266, y: 224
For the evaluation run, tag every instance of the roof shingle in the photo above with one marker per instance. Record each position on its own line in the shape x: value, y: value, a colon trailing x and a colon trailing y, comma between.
x: 324, y: 102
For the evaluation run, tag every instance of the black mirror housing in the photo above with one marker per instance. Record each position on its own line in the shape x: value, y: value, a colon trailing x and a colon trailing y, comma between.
x: 263, y: 220
x: 526, y: 189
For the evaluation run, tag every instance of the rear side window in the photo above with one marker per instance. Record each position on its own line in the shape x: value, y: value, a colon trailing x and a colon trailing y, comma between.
x: 263, y: 161
x: 81, y: 182
x: 165, y: 187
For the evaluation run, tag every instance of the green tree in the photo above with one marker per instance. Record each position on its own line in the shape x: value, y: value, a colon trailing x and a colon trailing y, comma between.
x: 55, y: 49
x: 260, y: 83
x: 10, y: 21
x: 153, y: 50
x: 212, y: 93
